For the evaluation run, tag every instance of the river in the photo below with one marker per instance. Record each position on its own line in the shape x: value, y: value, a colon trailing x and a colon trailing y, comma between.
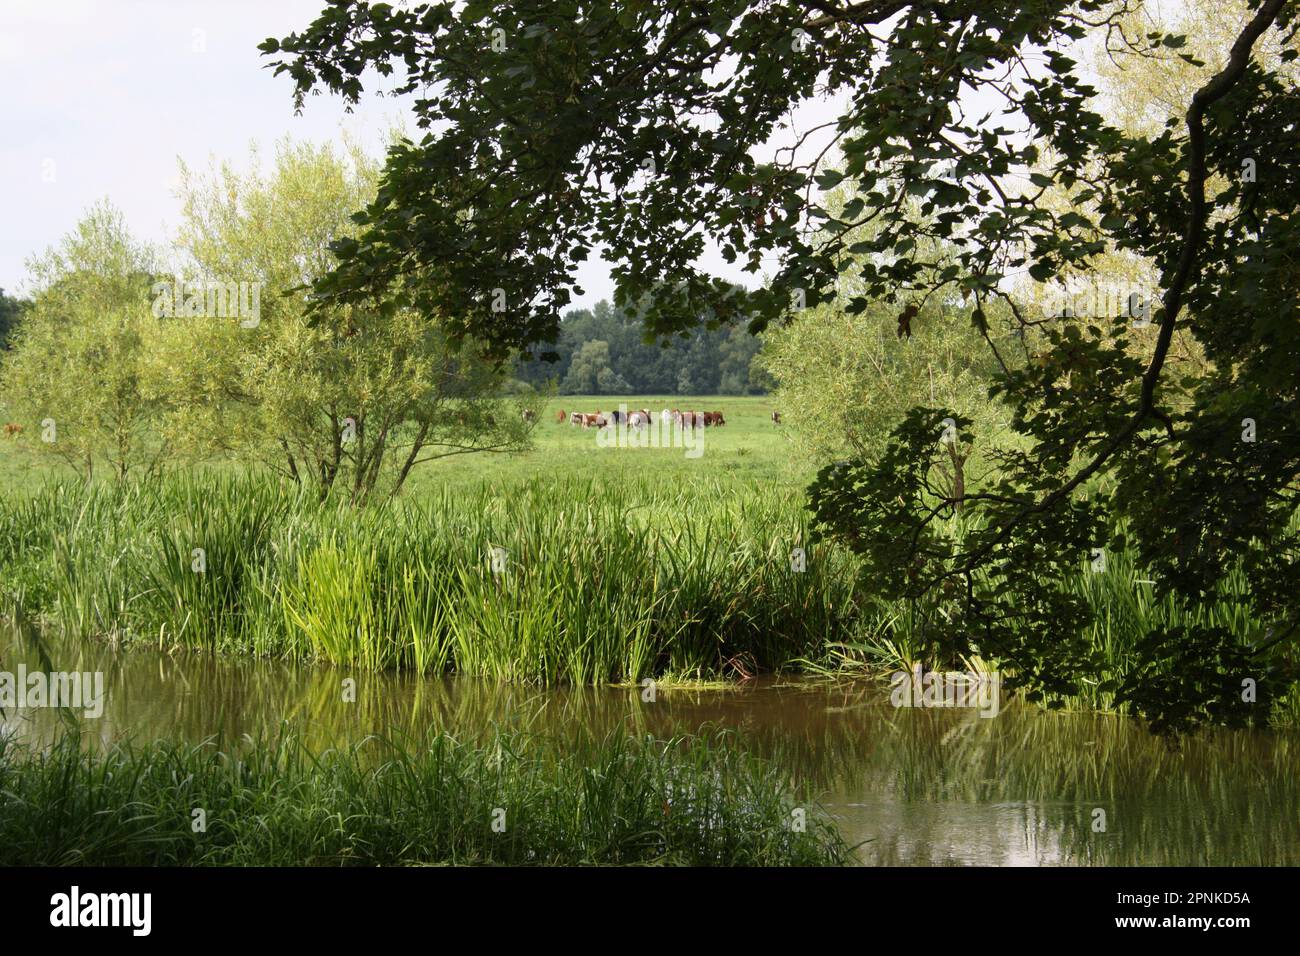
x: 911, y: 786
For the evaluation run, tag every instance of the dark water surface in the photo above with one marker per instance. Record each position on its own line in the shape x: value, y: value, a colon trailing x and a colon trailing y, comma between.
x: 918, y: 786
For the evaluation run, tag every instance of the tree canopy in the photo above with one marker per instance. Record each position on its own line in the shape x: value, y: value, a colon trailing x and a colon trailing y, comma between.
x: 552, y: 128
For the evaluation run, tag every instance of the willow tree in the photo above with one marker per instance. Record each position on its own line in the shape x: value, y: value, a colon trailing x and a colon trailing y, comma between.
x: 348, y: 399
x: 81, y: 376
x: 554, y: 126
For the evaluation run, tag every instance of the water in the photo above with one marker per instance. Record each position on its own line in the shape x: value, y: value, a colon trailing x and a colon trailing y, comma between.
x: 912, y: 786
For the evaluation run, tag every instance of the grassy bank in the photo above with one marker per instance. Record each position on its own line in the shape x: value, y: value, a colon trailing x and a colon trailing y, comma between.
x: 512, y: 800
x: 598, y: 581
x: 597, y: 584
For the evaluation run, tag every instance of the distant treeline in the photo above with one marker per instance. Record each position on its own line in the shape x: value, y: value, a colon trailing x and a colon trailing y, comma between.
x: 10, y: 310
x: 601, y: 352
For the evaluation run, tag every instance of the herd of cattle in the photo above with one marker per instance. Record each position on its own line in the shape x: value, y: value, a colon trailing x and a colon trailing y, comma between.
x: 641, y: 418
x: 638, y: 419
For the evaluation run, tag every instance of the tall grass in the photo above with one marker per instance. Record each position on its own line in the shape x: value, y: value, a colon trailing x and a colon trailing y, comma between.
x: 511, y: 800
x: 599, y: 584
x: 602, y: 583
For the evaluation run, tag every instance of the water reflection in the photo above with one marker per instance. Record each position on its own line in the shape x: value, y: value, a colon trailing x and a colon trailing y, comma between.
x: 923, y: 787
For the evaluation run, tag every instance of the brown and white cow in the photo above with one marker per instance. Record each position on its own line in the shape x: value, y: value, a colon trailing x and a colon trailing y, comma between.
x: 776, y: 418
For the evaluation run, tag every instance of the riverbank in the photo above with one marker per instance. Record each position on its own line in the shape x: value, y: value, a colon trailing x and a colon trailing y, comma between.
x: 544, y: 582
x: 514, y: 800
x: 905, y: 786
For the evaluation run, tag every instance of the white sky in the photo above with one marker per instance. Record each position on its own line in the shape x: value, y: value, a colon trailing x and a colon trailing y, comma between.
x: 102, y: 96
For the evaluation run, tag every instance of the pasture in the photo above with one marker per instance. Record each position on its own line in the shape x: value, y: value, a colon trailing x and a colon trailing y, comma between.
x: 749, y: 448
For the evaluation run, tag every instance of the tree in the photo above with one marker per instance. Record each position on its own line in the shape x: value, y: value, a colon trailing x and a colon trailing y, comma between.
x: 591, y: 360
x: 347, y: 398
x: 609, y: 382
x: 646, y: 367
x: 560, y: 125
x: 846, y: 380
x: 82, y: 374
x: 11, y: 311
x: 736, y: 351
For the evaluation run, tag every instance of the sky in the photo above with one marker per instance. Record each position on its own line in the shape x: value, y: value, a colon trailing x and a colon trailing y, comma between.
x: 103, y: 96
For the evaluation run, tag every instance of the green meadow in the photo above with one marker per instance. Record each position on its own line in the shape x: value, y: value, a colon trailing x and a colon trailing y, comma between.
x: 749, y: 447
x: 617, y: 565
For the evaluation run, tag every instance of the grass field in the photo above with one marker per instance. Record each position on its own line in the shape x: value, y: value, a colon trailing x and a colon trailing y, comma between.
x: 749, y: 447
x: 624, y: 562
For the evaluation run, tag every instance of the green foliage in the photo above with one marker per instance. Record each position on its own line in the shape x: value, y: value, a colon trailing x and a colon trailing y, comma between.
x: 546, y: 140
x: 600, y: 584
x: 696, y: 801
x: 357, y: 396
x: 845, y: 380
x: 11, y: 311
x: 712, y: 361
x: 589, y: 364
x: 82, y: 376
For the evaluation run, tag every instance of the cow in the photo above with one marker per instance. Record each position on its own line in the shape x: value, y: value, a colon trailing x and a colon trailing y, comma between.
x: 668, y: 415
x: 560, y: 417
x: 692, y: 419
x: 718, y: 419
x: 530, y: 416
x: 576, y: 418
x: 638, y: 420
x: 13, y: 429
x: 776, y: 418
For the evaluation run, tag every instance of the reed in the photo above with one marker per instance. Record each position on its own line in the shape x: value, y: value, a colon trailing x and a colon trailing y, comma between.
x: 601, y: 582
x: 514, y: 799
x: 598, y: 584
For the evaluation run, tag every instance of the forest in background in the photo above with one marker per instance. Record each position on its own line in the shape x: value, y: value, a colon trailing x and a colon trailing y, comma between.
x: 602, y: 351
